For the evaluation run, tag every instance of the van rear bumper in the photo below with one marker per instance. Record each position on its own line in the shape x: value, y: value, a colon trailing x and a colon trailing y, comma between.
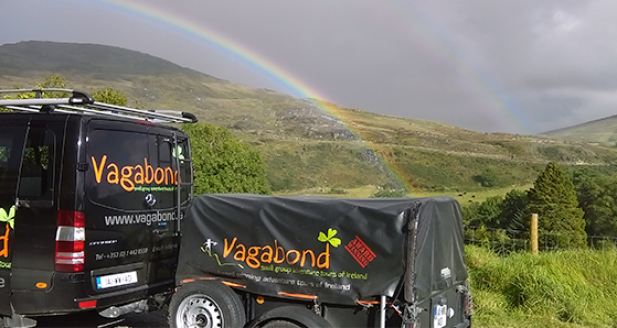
x: 68, y: 295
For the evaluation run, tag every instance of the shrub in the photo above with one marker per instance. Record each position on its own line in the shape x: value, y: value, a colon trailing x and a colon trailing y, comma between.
x: 389, y: 193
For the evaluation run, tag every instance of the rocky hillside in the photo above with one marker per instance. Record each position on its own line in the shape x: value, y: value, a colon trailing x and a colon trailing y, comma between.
x: 305, y: 144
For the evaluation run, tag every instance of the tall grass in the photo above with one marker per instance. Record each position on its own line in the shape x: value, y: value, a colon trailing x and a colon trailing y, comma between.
x: 553, y: 289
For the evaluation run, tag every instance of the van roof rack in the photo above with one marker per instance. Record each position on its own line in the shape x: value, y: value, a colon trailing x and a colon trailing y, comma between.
x: 83, y: 102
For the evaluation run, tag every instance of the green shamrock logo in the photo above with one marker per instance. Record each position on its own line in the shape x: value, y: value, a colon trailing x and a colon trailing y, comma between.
x: 178, y: 153
x: 330, y: 238
x: 8, y: 218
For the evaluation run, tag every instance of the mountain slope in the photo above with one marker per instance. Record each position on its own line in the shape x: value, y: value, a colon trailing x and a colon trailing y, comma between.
x: 70, y: 58
x: 598, y: 131
x: 303, y: 145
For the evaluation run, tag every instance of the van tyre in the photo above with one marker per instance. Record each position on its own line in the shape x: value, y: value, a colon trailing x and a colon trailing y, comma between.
x: 207, y: 304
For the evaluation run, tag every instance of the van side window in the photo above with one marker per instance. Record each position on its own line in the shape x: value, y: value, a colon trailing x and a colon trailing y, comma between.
x: 167, y: 156
x: 11, y: 145
x: 36, y: 178
x: 160, y: 153
x: 6, y: 143
x: 4, y: 154
x: 164, y: 150
x: 184, y: 157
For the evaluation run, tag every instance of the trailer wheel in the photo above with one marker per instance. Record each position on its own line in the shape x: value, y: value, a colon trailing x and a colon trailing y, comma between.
x: 281, y: 324
x: 292, y: 317
x: 206, y: 304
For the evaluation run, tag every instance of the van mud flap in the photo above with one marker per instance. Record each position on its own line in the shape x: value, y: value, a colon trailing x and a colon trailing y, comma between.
x: 18, y: 321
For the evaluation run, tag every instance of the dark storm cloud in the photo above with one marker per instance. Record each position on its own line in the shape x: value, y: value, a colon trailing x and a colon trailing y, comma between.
x: 521, y: 66
x: 553, y: 58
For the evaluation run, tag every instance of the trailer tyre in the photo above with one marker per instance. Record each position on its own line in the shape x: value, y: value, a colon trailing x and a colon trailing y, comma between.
x: 207, y: 304
x: 281, y: 324
x: 292, y: 317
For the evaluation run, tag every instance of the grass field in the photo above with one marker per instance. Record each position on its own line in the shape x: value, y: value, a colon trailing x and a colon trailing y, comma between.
x: 569, y: 289
x: 360, y: 192
x: 463, y: 197
x: 472, y: 196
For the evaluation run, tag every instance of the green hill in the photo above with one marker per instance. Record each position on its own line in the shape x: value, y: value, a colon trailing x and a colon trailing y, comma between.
x: 304, y: 145
x: 599, y: 131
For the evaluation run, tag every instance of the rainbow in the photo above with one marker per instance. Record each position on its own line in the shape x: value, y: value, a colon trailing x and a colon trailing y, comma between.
x: 487, y: 97
x: 481, y: 88
x: 293, y: 85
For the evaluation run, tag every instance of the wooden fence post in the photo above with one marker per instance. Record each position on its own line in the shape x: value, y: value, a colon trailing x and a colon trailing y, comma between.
x: 534, y: 233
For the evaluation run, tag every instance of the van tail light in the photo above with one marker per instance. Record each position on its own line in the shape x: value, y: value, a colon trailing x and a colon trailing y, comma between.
x: 468, y: 305
x: 466, y: 298
x: 70, y: 241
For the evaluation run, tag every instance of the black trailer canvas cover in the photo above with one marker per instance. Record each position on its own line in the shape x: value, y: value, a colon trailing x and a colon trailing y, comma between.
x: 340, y: 250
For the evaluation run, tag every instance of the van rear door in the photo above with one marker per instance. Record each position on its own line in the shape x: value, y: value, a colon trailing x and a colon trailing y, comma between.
x: 131, y: 206
x: 12, y: 138
x: 119, y: 207
x: 170, y: 149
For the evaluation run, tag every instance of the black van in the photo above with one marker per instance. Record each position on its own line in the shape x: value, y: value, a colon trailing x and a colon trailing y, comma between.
x: 91, y: 199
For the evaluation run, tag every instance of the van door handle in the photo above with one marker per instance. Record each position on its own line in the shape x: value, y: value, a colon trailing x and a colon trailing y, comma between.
x: 159, y: 231
x: 23, y: 203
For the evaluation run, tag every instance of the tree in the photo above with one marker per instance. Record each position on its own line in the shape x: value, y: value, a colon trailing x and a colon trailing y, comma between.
x: 601, y: 212
x: 222, y: 164
x: 553, y: 197
x: 490, y: 177
x: 515, y: 211
x: 489, y: 212
x: 110, y: 96
x: 587, y: 185
x: 53, y: 81
x: 469, y: 214
x: 597, y: 196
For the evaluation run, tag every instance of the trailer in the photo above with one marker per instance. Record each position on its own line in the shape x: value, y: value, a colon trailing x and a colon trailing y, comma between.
x: 288, y: 262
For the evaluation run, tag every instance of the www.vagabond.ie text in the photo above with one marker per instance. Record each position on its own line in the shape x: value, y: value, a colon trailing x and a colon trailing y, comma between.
x: 144, y: 218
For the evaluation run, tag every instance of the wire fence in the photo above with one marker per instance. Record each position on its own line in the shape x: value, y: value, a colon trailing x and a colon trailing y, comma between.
x: 506, y: 241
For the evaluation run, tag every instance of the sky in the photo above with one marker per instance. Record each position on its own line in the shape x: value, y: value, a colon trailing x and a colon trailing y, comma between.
x: 512, y: 66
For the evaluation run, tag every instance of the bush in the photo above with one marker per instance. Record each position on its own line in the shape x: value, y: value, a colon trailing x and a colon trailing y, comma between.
x: 489, y: 178
x: 222, y: 164
x: 336, y: 191
x: 389, y: 193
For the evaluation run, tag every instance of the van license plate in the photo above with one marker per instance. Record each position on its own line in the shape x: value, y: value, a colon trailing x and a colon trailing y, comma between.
x: 440, y: 316
x: 118, y: 279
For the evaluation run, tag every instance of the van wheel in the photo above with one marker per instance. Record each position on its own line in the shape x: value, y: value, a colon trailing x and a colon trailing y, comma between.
x: 206, y: 304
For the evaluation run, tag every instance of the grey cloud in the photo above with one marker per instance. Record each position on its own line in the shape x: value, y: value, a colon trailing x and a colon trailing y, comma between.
x: 477, y: 64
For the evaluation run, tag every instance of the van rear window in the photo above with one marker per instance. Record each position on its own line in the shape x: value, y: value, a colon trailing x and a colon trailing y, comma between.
x: 127, y: 168
x: 37, y: 168
x: 111, y: 179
